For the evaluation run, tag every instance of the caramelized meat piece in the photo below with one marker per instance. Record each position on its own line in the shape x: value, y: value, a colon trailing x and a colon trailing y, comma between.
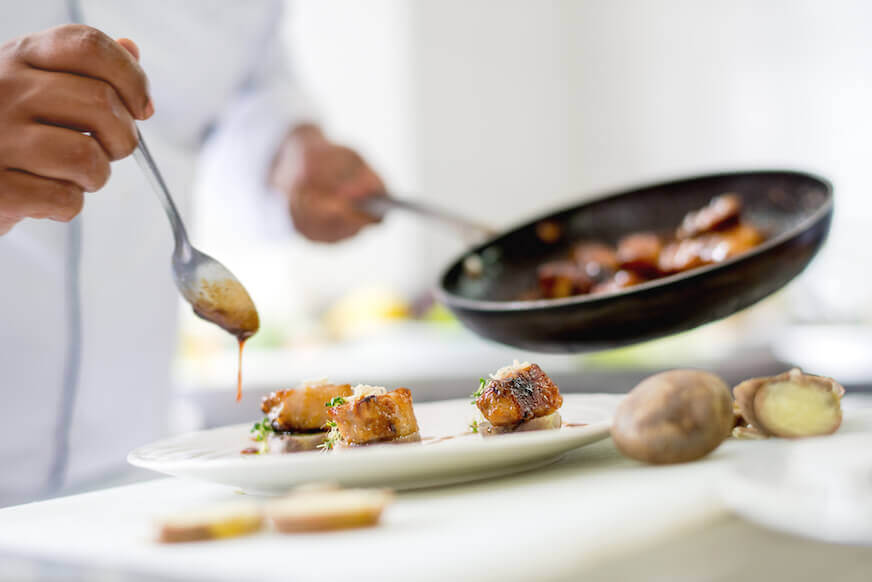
x: 721, y: 212
x: 620, y: 280
x: 735, y: 241
x: 376, y: 416
x: 640, y: 252
x: 302, y: 409
x: 706, y: 236
x: 708, y: 249
x: 562, y: 279
x: 597, y: 260
x: 681, y: 255
x: 549, y: 231
x: 518, y: 393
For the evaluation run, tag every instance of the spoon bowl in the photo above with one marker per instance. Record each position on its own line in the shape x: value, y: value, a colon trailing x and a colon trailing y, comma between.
x: 214, y: 293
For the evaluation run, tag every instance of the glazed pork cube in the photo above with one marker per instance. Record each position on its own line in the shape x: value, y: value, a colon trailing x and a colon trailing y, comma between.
x: 562, y: 279
x: 597, y: 260
x: 714, y: 247
x: 722, y: 211
x: 518, y: 393
x: 375, y: 415
x: 304, y: 408
x: 639, y: 252
x: 620, y: 280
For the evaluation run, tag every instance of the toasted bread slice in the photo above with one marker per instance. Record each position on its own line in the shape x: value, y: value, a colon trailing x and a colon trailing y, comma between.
x: 328, y: 510
x: 221, y: 521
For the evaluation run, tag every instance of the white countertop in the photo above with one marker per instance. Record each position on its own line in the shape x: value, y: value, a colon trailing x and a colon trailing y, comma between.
x: 591, y: 508
x: 538, y: 524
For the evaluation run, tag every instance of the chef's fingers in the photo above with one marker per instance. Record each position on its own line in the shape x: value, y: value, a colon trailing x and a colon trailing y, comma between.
x: 363, y: 183
x: 331, y: 218
x: 131, y: 47
x: 58, y: 153
x: 82, y: 50
x: 85, y: 104
x: 24, y: 195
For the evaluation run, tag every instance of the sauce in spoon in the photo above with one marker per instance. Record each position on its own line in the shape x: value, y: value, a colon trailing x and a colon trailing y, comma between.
x: 226, y: 303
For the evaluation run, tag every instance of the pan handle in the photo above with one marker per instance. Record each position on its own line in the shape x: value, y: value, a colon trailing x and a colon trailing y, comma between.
x: 379, y: 206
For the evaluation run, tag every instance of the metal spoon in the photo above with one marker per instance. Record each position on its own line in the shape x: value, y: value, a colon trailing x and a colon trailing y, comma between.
x: 211, y: 289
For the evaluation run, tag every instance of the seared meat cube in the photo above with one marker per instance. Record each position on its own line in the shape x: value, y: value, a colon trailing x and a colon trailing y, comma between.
x: 722, y: 211
x: 620, y: 280
x: 709, y: 248
x: 562, y: 279
x: 640, y: 252
x: 374, y: 415
x: 304, y: 408
x: 549, y: 231
x: 597, y: 260
x: 734, y: 241
x: 681, y: 255
x: 518, y: 393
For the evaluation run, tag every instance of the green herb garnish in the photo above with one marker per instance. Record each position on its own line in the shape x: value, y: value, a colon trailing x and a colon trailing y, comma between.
x: 261, y: 429
x: 473, y: 426
x: 332, y: 438
x: 481, y: 384
x: 335, y: 401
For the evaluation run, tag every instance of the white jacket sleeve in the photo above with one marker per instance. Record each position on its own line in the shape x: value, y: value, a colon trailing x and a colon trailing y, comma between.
x: 231, y: 186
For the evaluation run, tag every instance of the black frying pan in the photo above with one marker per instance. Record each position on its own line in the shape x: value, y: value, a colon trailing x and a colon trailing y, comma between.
x: 793, y: 208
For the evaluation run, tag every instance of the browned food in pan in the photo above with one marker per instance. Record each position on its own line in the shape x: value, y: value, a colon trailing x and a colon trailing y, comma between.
x: 640, y: 252
x: 302, y: 409
x: 620, y: 280
x: 597, y: 260
x: 732, y: 242
x: 374, y: 415
x: 682, y: 255
x: 518, y: 393
x: 706, y: 236
x: 549, y: 231
x: 562, y: 279
x: 721, y: 212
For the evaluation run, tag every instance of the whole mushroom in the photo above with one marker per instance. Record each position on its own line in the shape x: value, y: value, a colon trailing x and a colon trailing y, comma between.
x: 674, y: 417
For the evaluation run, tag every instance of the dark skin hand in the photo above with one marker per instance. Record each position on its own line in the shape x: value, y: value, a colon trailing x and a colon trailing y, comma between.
x: 56, y: 85
x: 69, y: 97
x: 322, y: 181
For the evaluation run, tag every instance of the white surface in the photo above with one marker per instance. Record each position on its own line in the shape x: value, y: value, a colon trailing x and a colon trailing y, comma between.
x: 591, y: 508
x: 395, y: 355
x: 818, y: 488
x: 840, y: 351
x: 214, y: 455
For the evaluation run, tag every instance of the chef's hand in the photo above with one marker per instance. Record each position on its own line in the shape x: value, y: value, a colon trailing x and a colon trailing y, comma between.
x: 322, y: 181
x: 54, y: 86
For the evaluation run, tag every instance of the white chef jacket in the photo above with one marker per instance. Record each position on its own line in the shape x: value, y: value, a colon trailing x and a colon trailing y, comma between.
x: 83, y: 380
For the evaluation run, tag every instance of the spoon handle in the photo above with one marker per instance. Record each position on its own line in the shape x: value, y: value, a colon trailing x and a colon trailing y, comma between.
x: 149, y: 168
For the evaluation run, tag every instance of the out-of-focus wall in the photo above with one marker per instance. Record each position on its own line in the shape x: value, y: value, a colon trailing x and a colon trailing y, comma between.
x: 524, y: 105
x: 504, y: 108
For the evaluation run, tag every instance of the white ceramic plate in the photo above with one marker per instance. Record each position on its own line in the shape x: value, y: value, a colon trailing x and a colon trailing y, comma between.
x: 819, y: 488
x: 214, y: 455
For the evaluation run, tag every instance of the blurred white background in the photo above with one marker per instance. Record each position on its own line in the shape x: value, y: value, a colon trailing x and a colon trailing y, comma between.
x: 503, y: 109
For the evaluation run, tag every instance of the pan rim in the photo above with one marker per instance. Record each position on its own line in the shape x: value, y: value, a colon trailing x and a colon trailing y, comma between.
x: 487, y: 305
